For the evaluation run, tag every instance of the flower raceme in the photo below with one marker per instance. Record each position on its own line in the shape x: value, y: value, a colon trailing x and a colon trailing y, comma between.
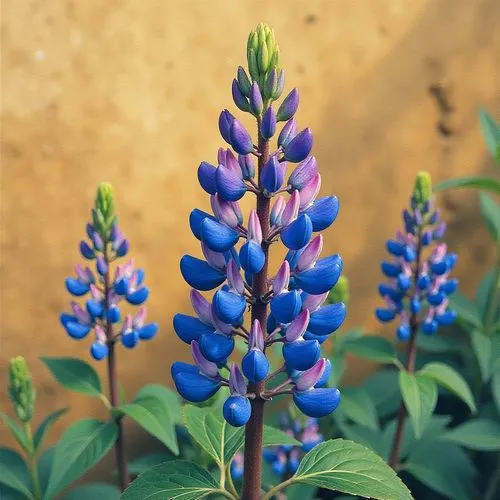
x: 418, y: 275
x: 107, y: 290
x: 235, y: 255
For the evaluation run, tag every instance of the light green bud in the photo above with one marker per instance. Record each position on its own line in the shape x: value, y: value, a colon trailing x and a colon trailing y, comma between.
x: 103, y: 214
x: 340, y: 292
x: 422, y: 191
x: 21, y: 390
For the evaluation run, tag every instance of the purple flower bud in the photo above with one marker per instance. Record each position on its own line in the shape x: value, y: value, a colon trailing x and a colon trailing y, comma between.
x: 268, y: 124
x: 247, y: 166
x: 299, y: 147
x: 225, y: 122
x: 256, y: 337
x: 81, y: 315
x: 114, y: 233
x: 254, y: 231
x: 308, y: 379
x: 201, y: 306
x: 310, y: 254
x: 282, y: 278
x: 240, y: 138
x: 86, y: 251
x: 234, y: 278
x: 303, y: 173
x: 309, y: 192
x: 288, y: 106
x: 271, y: 84
x: 97, y: 240
x: 229, y: 185
x: 291, y: 210
x: 102, y: 267
x: 227, y: 212
x: 237, y: 384
x: 280, y: 86
x: 207, y: 368
x: 206, y: 177
x: 122, y: 249
x: 298, y: 327
x: 218, y: 237
x: 256, y: 103
x: 439, y: 231
x: 273, y: 175
x: 215, y: 259
x: 239, y: 99
x: 276, y: 211
x: 85, y: 276
x: 313, y: 302
x: 288, y: 132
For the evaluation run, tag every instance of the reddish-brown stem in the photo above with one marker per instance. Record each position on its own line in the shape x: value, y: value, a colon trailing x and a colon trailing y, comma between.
x: 252, y: 479
x: 121, y: 462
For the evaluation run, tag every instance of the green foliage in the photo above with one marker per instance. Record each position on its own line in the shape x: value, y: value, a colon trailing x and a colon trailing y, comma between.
x: 372, y: 347
x: 17, y: 431
x: 490, y: 210
x: 276, y: 437
x: 14, y: 473
x: 357, y: 406
x: 99, y: 491
x: 21, y: 391
x: 44, y: 427
x: 142, y: 464
x: 478, y: 434
x: 491, y: 133
x: 484, y: 183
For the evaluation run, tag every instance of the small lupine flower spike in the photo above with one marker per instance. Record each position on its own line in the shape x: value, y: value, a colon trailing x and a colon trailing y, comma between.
x: 418, y: 275
x: 287, y: 304
x: 108, y: 289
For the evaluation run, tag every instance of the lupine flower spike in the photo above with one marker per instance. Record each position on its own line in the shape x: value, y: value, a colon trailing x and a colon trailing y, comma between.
x: 418, y: 273
x: 107, y: 290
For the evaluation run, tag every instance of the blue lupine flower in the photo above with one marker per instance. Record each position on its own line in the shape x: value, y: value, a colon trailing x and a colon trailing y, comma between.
x: 107, y: 290
x: 419, y: 284
x: 287, y: 307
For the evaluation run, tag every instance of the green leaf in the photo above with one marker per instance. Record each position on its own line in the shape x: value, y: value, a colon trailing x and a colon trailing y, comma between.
x: 45, y: 467
x: 483, y: 349
x: 495, y: 389
x: 209, y: 429
x: 177, y: 479
x: 338, y: 369
x: 438, y: 343
x: 388, y: 437
x: 383, y: 387
x: 301, y: 491
x: 169, y: 398
x: 16, y: 431
x: 47, y: 422
x: 479, y: 434
x: 75, y: 374
x: 102, y: 491
x: 372, y: 347
x: 14, y: 473
x: 420, y: 397
x: 363, y: 435
x: 490, y: 210
x: 484, y: 183
x: 484, y: 291
x: 466, y: 310
x: 491, y: 133
x: 142, y: 464
x: 276, y: 437
x: 348, y: 467
x: 82, y: 446
x: 448, y: 378
x: 357, y: 405
x: 152, y: 415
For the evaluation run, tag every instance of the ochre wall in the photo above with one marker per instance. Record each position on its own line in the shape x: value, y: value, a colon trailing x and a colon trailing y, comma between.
x: 130, y: 92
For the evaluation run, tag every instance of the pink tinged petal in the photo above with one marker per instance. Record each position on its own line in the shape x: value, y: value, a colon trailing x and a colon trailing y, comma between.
x: 407, y: 270
x: 429, y: 315
x: 234, y: 277
x: 277, y: 211
x: 218, y: 324
x: 127, y: 324
x: 128, y: 268
x: 313, y: 302
x: 201, y: 306
x: 405, y: 317
x: 100, y: 334
x: 237, y: 211
x: 139, y: 318
x: 400, y: 237
x: 254, y: 231
x: 226, y: 157
x: 224, y: 211
x: 308, y: 379
x: 424, y: 268
x: 95, y: 292
x: 291, y: 209
x: 303, y: 172
x: 118, y: 272
x: 256, y: 337
x: 309, y: 192
x: 206, y: 367
x: 310, y: 254
x: 282, y: 278
x: 81, y: 314
x: 215, y: 259
x: 439, y: 252
x: 237, y: 384
x: 298, y: 326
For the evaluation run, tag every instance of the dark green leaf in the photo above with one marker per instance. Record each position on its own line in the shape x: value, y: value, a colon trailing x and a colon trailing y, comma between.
x: 383, y: 388
x: 437, y: 343
x: 152, y: 415
x: 45, y: 426
x: 14, y: 473
x: 388, y: 437
x: 363, y: 435
x: 484, y: 293
x: 75, y: 374
x: 142, y: 464
x: 177, y: 479
x: 490, y: 210
x: 276, y: 437
x: 16, y: 431
x: 101, y: 491
x: 495, y: 389
x: 338, y: 369
x: 357, y: 405
x: 301, y: 491
x: 82, y: 446
x: 466, y: 310
x: 45, y: 466
x: 491, y: 133
x: 348, y: 467
x: 437, y: 425
x: 485, y: 183
x: 169, y: 398
x: 372, y: 347
x: 479, y: 434
x: 483, y: 349
x: 448, y: 378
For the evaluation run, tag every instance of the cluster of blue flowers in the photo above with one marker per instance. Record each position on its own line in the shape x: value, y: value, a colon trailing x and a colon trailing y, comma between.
x: 286, y: 459
x: 298, y: 290
x: 106, y: 290
x: 419, y: 282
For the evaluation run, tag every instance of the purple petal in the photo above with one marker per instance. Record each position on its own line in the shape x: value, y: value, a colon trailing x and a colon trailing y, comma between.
x: 298, y: 326
x: 201, y: 306
x: 308, y: 379
x: 310, y: 254
x: 254, y: 231
x: 282, y: 278
x: 291, y: 209
x: 206, y: 367
x: 303, y: 173
x: 237, y: 384
x: 234, y: 277
x: 309, y: 192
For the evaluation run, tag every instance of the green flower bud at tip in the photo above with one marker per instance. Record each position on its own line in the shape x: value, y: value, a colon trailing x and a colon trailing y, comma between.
x: 422, y: 192
x: 340, y: 292
x: 103, y: 214
x: 21, y: 391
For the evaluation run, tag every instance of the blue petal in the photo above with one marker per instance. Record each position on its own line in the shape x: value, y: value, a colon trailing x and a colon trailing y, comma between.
x: 196, y: 217
x: 255, y: 365
x: 415, y: 305
x: 121, y: 286
x: 317, y: 402
x: 430, y: 327
x: 218, y: 237
x: 180, y: 367
x: 423, y: 282
x: 403, y: 332
x: 323, y: 212
x: 66, y: 318
x: 229, y: 186
x: 286, y: 306
x: 86, y: 251
x: 252, y: 257
x: 404, y: 282
x: 326, y: 375
x: 76, y: 288
x: 199, y: 274
x: 95, y: 308
x: 327, y: 319
x: 130, y: 339
x: 319, y: 338
x: 237, y: 410
x: 99, y: 351
x: 322, y: 277
x: 138, y: 297
x: 229, y: 306
x: 206, y: 177
x: 391, y: 270
x: 395, y: 248
x: 271, y: 324
x: 216, y: 347
x: 387, y: 291
x: 302, y: 354
x: 439, y: 268
x: 446, y: 318
x: 77, y: 330
x: 385, y: 315
x: 148, y: 331
x: 273, y: 175
x: 113, y: 314
x: 298, y: 233
x: 194, y: 387
x: 189, y: 328
x: 299, y: 147
x: 436, y: 299
x: 449, y: 287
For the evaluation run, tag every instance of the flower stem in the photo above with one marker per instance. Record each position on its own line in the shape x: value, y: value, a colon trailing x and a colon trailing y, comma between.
x: 252, y: 479
x: 33, y: 467
x: 121, y: 462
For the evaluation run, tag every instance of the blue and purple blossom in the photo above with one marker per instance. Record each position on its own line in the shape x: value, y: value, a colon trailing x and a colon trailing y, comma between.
x: 107, y: 290
x: 419, y: 281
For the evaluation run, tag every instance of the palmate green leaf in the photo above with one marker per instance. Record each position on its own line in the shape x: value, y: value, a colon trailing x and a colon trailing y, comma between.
x: 14, y: 473
x: 209, y: 429
x: 447, y: 377
x: 372, y: 347
x: 276, y: 437
x: 178, y: 479
x: 491, y: 133
x: 75, y: 374
x: 420, y: 398
x: 357, y: 406
x: 169, y: 398
x: 16, y: 430
x: 101, y: 491
x: 152, y: 415
x: 82, y: 446
x: 490, y: 210
x: 466, y: 310
x: 484, y: 183
x: 480, y: 434
x: 348, y: 467
x: 43, y: 428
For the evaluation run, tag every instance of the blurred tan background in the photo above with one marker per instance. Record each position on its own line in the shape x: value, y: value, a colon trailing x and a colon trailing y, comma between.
x: 130, y: 92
